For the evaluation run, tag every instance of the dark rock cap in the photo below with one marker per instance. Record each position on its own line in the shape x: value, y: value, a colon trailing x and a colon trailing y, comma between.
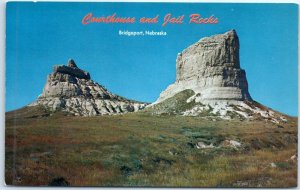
x: 71, y: 63
x: 72, y: 70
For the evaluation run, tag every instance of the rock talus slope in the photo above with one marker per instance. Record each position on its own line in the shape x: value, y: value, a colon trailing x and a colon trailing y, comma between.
x: 71, y: 89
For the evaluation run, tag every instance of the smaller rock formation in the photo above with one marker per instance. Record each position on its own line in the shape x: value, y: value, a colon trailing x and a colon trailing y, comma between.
x: 71, y: 89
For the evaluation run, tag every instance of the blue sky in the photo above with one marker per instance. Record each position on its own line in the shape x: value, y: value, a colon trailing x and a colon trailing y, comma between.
x: 41, y: 35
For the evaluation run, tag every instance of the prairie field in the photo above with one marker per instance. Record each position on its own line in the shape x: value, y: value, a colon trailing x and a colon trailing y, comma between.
x: 141, y: 149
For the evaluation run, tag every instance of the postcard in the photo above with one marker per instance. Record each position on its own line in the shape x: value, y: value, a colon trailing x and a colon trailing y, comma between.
x: 148, y: 94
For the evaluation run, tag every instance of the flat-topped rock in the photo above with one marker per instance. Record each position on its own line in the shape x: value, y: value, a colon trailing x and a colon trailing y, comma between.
x: 210, y: 83
x: 211, y: 68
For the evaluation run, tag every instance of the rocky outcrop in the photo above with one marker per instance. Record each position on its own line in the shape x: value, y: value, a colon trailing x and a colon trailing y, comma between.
x: 73, y: 71
x: 210, y: 83
x: 70, y: 89
x: 211, y: 68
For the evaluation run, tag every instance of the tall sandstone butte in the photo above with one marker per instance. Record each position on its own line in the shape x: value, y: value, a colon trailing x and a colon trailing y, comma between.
x: 211, y: 68
x: 210, y: 83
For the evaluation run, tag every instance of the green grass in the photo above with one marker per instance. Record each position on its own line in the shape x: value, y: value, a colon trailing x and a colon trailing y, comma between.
x: 174, y: 105
x: 139, y: 149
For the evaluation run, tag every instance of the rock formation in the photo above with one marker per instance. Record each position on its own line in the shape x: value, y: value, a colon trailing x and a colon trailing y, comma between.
x: 211, y: 67
x: 71, y: 89
x: 210, y: 82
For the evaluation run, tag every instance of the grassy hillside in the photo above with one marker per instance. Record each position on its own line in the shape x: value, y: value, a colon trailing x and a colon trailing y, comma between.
x: 174, y: 105
x: 139, y: 149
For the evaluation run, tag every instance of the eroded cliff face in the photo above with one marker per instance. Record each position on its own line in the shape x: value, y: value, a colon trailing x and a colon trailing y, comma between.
x: 211, y: 68
x: 70, y: 89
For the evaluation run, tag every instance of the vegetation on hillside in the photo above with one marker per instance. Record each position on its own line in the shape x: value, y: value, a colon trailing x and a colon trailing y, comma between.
x: 139, y: 149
